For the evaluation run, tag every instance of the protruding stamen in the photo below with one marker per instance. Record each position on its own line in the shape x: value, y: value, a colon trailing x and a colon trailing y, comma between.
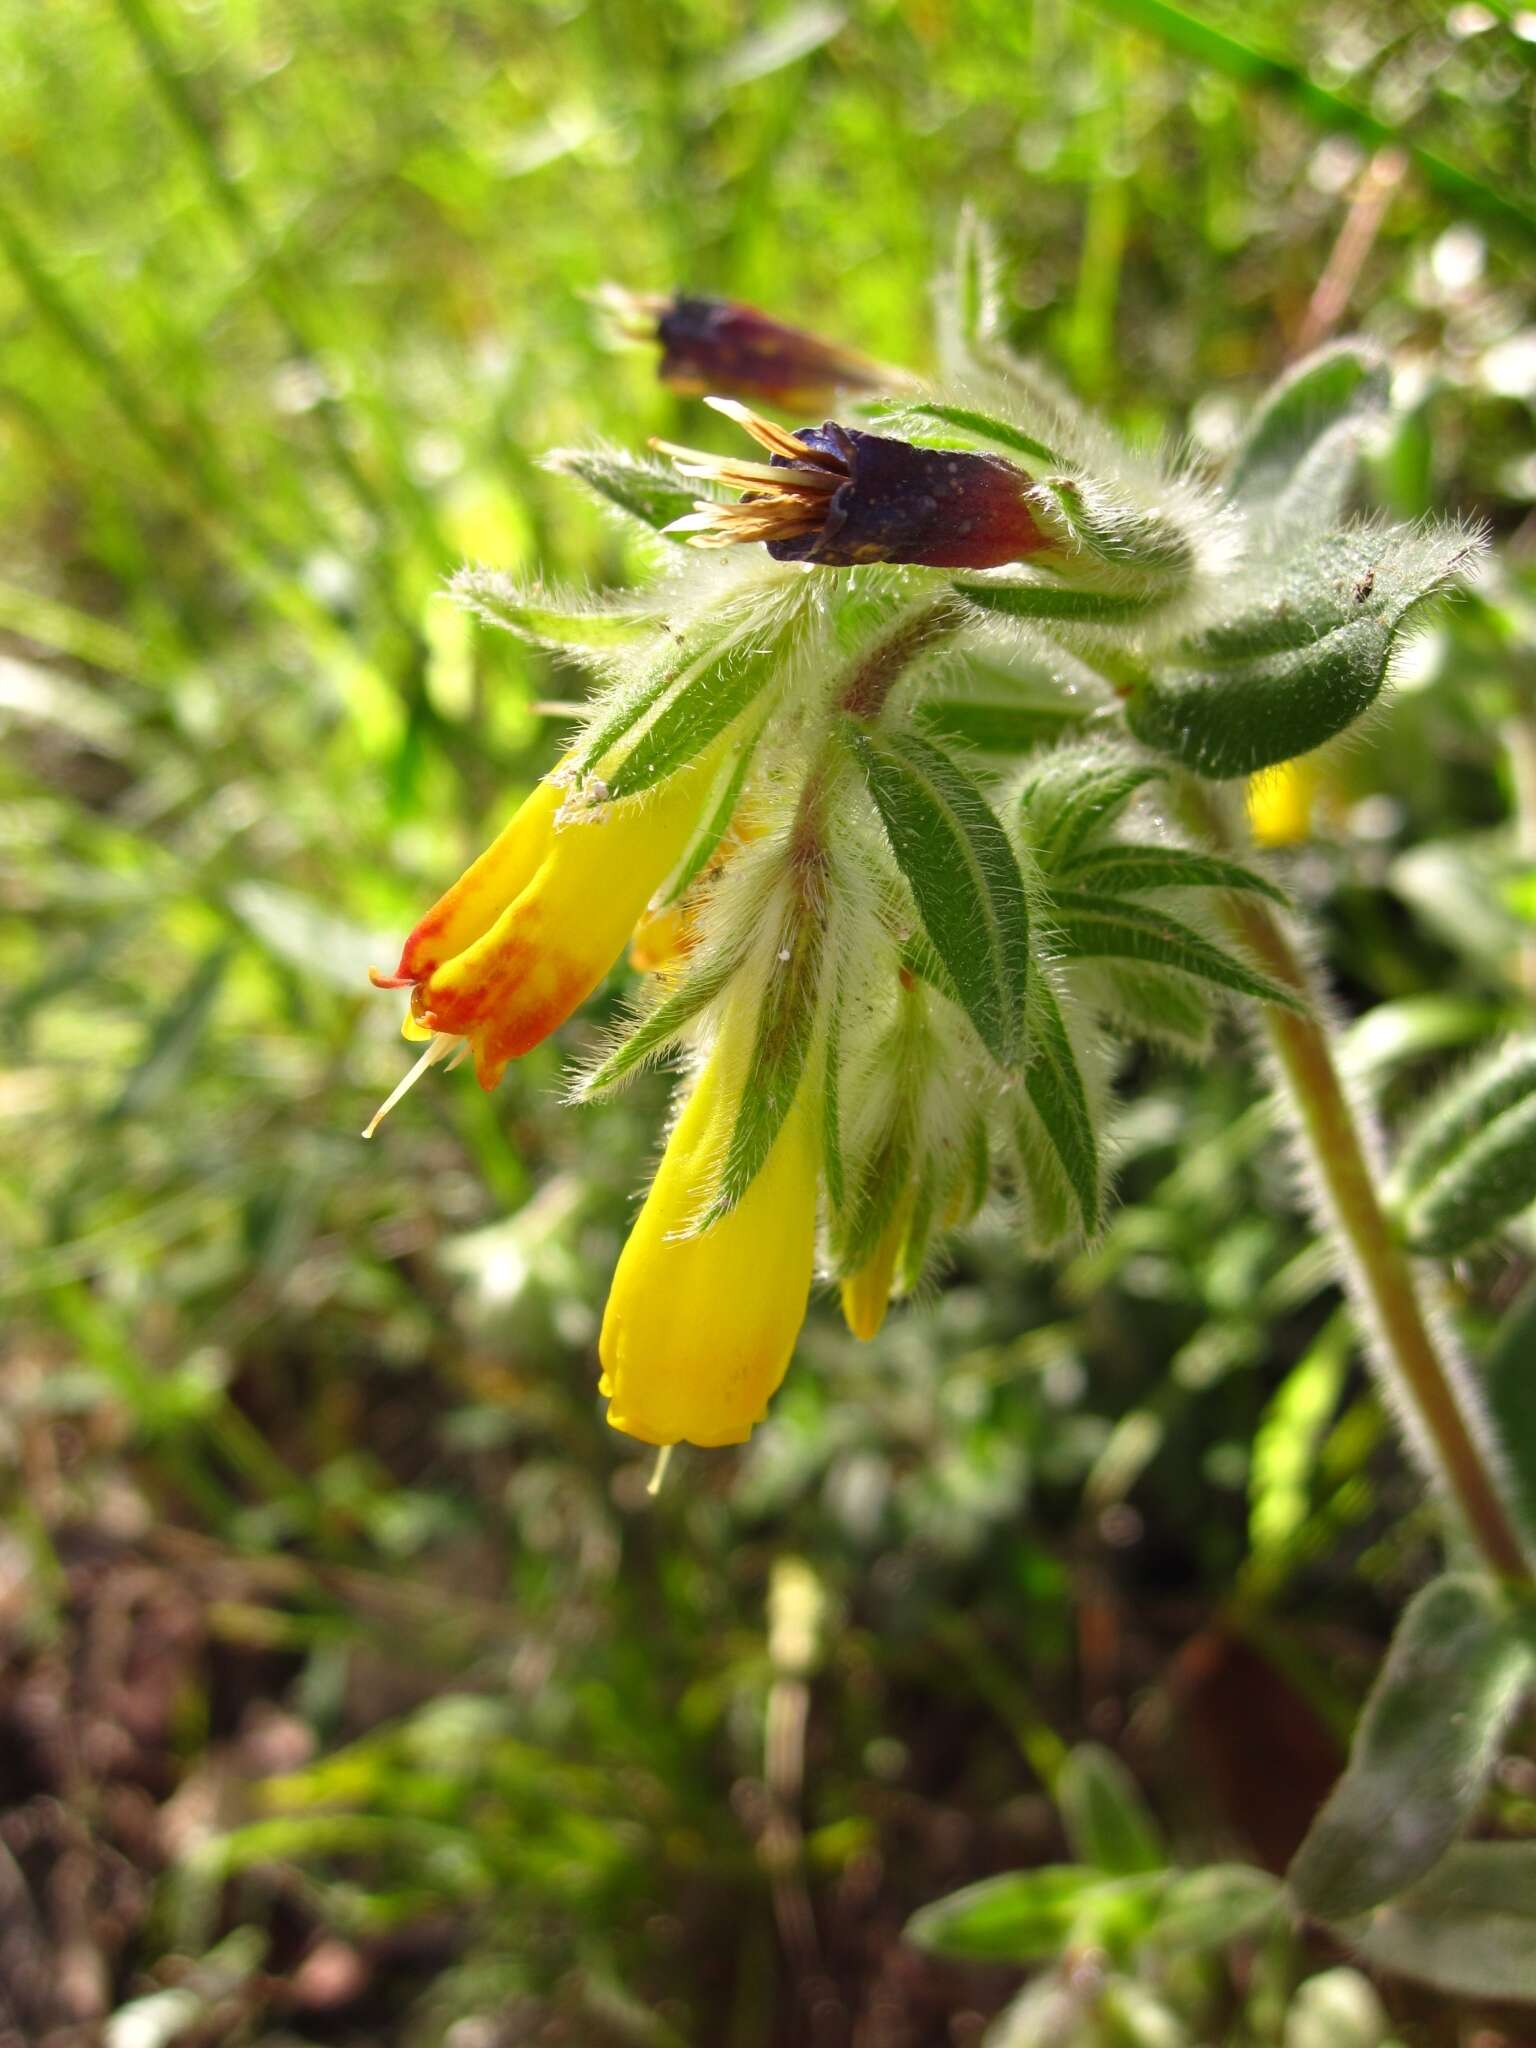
x: 653, y: 1485
x: 439, y: 1046
x: 783, y: 500
x: 777, y: 440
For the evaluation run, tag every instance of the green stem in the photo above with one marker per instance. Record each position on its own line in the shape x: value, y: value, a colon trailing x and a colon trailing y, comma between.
x: 1417, y: 1378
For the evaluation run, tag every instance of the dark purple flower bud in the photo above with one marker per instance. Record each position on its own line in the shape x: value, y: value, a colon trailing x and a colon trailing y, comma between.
x: 837, y: 496
x: 718, y: 345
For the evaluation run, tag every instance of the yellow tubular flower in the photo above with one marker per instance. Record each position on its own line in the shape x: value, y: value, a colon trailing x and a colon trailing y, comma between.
x: 867, y: 1293
x: 527, y: 933
x: 699, y: 1330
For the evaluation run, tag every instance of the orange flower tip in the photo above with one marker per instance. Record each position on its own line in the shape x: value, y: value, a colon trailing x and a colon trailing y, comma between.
x: 390, y: 980
x: 441, y: 1044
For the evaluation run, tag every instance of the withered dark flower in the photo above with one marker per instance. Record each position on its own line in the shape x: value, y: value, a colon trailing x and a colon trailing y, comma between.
x: 837, y: 496
x: 718, y: 345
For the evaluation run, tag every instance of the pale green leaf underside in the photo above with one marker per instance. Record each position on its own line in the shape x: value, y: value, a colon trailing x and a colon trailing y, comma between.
x: 1427, y: 1741
x: 1468, y: 1929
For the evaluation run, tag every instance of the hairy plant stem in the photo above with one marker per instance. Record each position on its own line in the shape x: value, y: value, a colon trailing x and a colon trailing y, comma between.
x: 1416, y: 1376
x: 875, y: 674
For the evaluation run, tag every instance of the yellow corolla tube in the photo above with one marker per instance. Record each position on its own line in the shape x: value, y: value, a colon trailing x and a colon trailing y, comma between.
x: 866, y: 1292
x: 699, y: 1330
x: 526, y: 933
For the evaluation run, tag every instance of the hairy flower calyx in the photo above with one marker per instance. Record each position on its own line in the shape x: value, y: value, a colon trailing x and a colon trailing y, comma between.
x: 836, y: 496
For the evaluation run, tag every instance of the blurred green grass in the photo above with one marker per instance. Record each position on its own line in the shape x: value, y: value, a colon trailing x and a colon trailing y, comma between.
x: 292, y: 298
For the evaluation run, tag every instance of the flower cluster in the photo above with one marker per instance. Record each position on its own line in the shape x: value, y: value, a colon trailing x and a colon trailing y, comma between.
x: 893, y: 973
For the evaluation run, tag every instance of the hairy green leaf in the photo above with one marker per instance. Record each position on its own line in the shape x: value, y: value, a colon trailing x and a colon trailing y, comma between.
x: 1058, y: 1102
x: 1490, y: 1182
x: 1511, y: 1383
x: 1090, y: 927
x: 963, y: 876
x: 1105, y: 1817
x: 1133, y: 870
x: 1339, y: 387
x: 718, y: 822
x: 786, y: 1030
x: 1145, y: 539
x: 1025, y: 596
x: 1025, y: 1916
x: 911, y: 415
x: 494, y: 597
x: 714, y: 662
x: 1427, y: 1741
x: 989, y: 725
x: 713, y: 697
x: 831, y: 1107
x: 1074, y: 796
x: 1469, y: 1929
x: 647, y: 491
x: 1302, y: 653
x: 660, y: 1026
x: 1151, y: 1003
x: 1471, y: 1164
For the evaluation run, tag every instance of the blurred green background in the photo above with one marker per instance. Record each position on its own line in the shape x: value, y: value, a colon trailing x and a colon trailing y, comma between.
x: 353, y: 1691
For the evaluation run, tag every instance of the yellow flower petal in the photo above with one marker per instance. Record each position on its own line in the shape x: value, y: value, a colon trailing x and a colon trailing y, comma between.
x: 699, y: 1331
x: 555, y: 941
x: 1280, y: 803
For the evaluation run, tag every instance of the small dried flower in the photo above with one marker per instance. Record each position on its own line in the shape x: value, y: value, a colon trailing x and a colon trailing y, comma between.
x: 838, y: 496
x: 719, y: 345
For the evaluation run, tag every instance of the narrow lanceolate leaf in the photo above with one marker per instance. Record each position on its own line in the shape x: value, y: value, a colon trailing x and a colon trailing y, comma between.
x: 1301, y: 655
x: 831, y: 1107
x: 964, y: 878
x: 909, y: 418
x: 1471, y: 1165
x: 660, y: 1027
x: 1058, y: 1101
x: 1093, y: 927
x: 1150, y: 1003
x: 697, y: 712
x: 705, y: 656
x: 647, y: 491
x: 995, y: 725
x: 706, y: 842
x: 1025, y: 1916
x: 494, y: 597
x: 786, y: 1031
x: 1343, y: 386
x: 1105, y: 1816
x: 1426, y: 1744
x: 970, y: 298
x: 1074, y: 797
x: 1135, y: 870
x: 1469, y: 1929
x: 1036, y: 597
x: 1486, y: 1185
